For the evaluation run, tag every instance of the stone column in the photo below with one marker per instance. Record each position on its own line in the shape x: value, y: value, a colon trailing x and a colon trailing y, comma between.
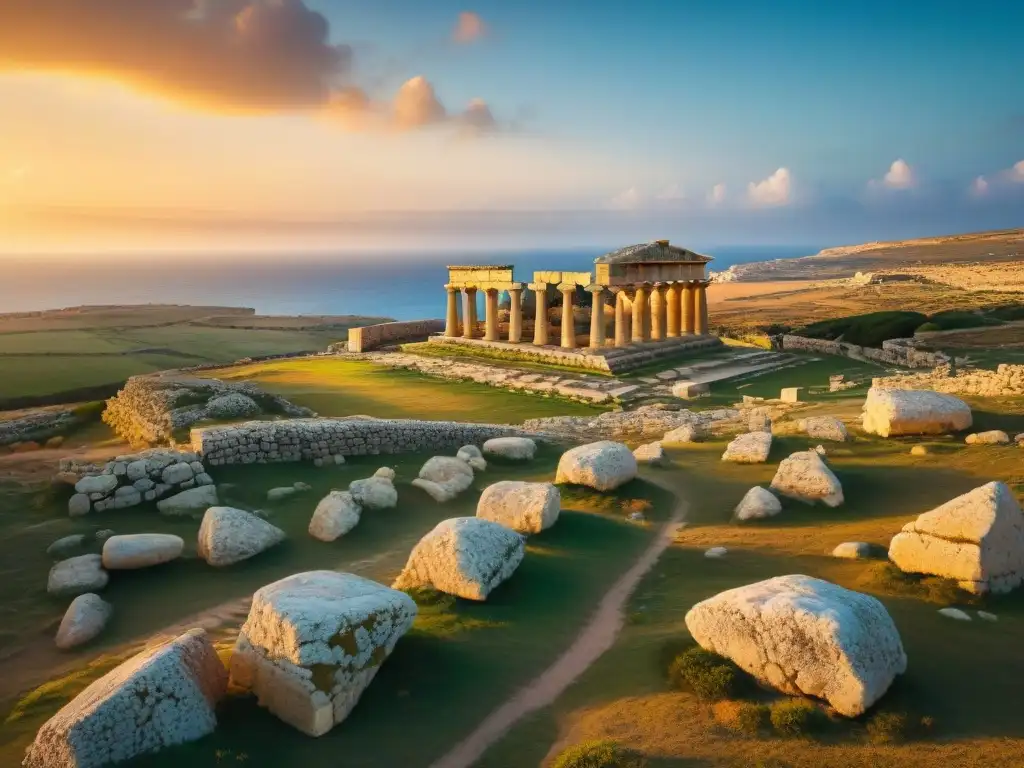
x: 568, y: 329
x: 640, y: 314
x: 451, y: 320
x: 596, y: 316
x: 621, y: 329
x: 689, y: 305
x: 672, y: 307
x: 491, y: 314
x: 658, y: 312
x: 540, y: 324
x: 515, y: 313
x: 701, y: 310
x: 468, y: 313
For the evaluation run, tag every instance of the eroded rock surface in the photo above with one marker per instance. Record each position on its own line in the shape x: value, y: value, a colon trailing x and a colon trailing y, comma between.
x: 650, y: 453
x: 84, y: 619
x: 377, y: 492
x: 523, y: 507
x: 77, y: 575
x: 991, y: 437
x: 335, y: 515
x: 514, y: 448
x: 824, y: 428
x: 758, y: 503
x: 603, y: 466
x: 444, y: 477
x: 891, y: 412
x: 804, y: 476
x: 749, y: 448
x: 189, y: 502
x: 141, y: 550
x: 806, y: 636
x: 228, y: 536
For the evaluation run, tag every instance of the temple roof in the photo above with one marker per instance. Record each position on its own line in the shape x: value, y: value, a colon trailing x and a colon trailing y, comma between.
x: 656, y: 251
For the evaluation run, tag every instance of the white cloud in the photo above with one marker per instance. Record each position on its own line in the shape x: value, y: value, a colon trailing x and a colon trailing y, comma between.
x: 628, y: 200
x: 1016, y: 173
x: 469, y: 28
x: 417, y: 104
x: 672, y: 192
x: 717, y: 194
x: 899, y: 176
x: 775, y: 190
x: 979, y: 187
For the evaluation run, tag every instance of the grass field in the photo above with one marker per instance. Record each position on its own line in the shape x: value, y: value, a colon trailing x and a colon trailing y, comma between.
x: 461, y: 658
x: 44, y: 375
x: 336, y: 387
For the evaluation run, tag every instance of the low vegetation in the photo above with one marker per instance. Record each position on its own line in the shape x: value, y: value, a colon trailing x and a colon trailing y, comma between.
x: 796, y: 717
x: 597, y: 754
x: 705, y: 673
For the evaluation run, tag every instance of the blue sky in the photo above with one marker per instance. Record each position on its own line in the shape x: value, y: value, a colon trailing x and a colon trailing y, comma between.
x: 634, y: 111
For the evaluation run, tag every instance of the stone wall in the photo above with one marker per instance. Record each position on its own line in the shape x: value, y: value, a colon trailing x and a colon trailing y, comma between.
x: 37, y: 426
x: 1005, y: 381
x: 899, y: 352
x: 372, y: 336
x: 262, y: 442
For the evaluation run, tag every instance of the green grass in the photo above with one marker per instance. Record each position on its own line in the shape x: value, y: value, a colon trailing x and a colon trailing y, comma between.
x: 868, y: 330
x: 229, y: 344
x: 337, y: 387
x: 62, y: 342
x: 31, y: 376
x: 460, y: 659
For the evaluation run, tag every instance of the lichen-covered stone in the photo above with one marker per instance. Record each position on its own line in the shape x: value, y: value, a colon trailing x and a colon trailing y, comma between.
x: 805, y: 636
x: 683, y: 435
x: 231, y: 405
x: 314, y: 641
x: 77, y: 575
x: 804, y: 476
x: 335, y: 515
x: 891, y: 412
x: 824, y: 428
x: 650, y: 453
x: 976, y: 539
x: 141, y: 550
x: 228, y: 536
x: 757, y: 503
x: 749, y: 448
x: 463, y: 556
x: 603, y: 466
x: 374, y: 493
x: 523, y: 507
x: 84, y: 619
x: 162, y: 697
x: 512, y: 448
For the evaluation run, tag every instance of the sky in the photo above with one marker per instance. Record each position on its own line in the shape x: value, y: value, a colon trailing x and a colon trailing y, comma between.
x: 349, y: 124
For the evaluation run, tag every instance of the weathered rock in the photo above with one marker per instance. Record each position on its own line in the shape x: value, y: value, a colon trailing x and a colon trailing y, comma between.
x: 805, y: 636
x: 193, y: 500
x: 141, y: 550
x: 650, y: 453
x: 891, y: 412
x: 374, y: 493
x: 919, y: 450
x: 162, y: 697
x: 986, y: 616
x: 824, y: 428
x: 463, y: 556
x: 284, y: 492
x: 716, y: 552
x: 203, y: 479
x: 603, y: 466
x: 852, y: 550
x: 301, y: 487
x: 687, y: 433
x: 805, y: 477
x: 79, y: 504
x: 444, y: 477
x: 64, y: 547
x: 521, y: 506
x: 228, y: 536
x: 385, y: 472
x: 77, y: 575
x: 84, y: 619
x: 233, y: 405
x: 992, y: 437
x: 176, y: 474
x: 472, y: 456
x: 126, y: 496
x: 759, y: 420
x: 513, y: 448
x: 976, y: 539
x: 749, y: 448
x: 335, y: 515
x: 955, y: 613
x: 758, y: 503
x: 314, y: 641
x: 138, y: 469
x: 102, y: 484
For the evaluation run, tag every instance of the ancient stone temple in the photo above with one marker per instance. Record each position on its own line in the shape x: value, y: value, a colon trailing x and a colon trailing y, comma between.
x: 650, y: 296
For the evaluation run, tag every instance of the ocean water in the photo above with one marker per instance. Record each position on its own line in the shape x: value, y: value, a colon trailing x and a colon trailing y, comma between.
x: 404, y: 286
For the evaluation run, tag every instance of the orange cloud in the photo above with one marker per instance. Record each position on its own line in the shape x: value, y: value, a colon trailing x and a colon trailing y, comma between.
x: 469, y: 28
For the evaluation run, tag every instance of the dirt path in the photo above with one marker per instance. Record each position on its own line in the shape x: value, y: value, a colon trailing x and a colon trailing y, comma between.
x: 597, y: 637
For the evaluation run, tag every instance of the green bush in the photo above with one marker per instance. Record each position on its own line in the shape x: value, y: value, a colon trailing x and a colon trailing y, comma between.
x: 888, y: 727
x: 866, y: 330
x: 707, y: 674
x: 796, y: 717
x: 953, y: 319
x: 927, y: 327
x: 751, y: 717
x: 598, y: 754
x: 1007, y: 312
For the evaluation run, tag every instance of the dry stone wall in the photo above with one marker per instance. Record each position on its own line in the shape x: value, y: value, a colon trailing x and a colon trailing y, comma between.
x: 263, y: 442
x: 372, y: 336
x: 1006, y: 381
x: 899, y: 352
x: 36, y: 426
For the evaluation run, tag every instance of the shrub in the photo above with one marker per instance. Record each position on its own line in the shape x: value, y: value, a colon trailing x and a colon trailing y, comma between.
x: 796, y: 717
x: 597, y: 754
x: 705, y: 673
x: 958, y: 318
x: 888, y: 727
x: 928, y: 327
x: 867, y: 330
x: 751, y: 717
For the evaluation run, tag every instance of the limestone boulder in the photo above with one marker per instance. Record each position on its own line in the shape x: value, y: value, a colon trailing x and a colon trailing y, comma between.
x: 976, y: 539
x: 511, y: 448
x: 463, y: 556
x: 804, y: 476
x: 522, y: 506
x: 313, y: 642
x: 603, y: 466
x: 177, y: 473
x: 77, y: 575
x: 749, y: 448
x: 228, y: 536
x: 335, y: 515
x: 892, y: 412
x: 84, y: 619
x: 385, y: 472
x: 79, y: 504
x: 189, y: 502
x: 687, y: 433
x: 852, y: 550
x: 992, y: 437
x: 374, y: 493
x: 824, y: 428
x: 102, y: 484
x: 162, y: 697
x: 758, y: 503
x: 141, y: 550
x: 66, y: 546
x: 805, y: 636
x: 650, y: 453
x: 284, y: 492
x: 472, y: 456
x: 444, y: 477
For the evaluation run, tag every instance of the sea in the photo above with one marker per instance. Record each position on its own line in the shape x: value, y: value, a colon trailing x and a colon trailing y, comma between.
x: 404, y: 285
